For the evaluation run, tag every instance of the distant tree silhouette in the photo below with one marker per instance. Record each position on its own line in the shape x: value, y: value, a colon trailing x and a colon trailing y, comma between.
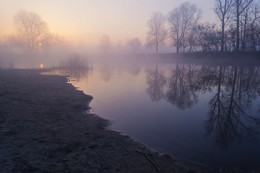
x: 249, y: 20
x: 223, y: 9
x: 208, y: 37
x: 182, y: 20
x: 12, y: 42
x: 157, y: 32
x: 240, y: 7
x: 254, y: 28
x: 30, y: 28
x: 105, y: 44
x: 134, y: 45
x: 54, y: 42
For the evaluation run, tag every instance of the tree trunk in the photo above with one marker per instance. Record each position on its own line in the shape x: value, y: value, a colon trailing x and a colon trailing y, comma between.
x: 237, y: 29
x: 178, y: 43
x: 253, y: 39
x: 222, y: 34
x: 177, y: 47
x: 244, y: 33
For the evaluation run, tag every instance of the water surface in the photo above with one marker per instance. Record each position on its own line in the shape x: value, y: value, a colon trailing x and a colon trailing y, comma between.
x: 204, y: 115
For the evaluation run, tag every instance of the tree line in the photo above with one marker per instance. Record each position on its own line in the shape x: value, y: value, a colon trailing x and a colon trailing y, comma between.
x: 238, y: 28
x: 32, y: 35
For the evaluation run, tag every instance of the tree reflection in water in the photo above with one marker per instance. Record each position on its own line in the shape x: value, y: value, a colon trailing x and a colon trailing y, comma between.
x: 106, y: 72
x: 234, y: 90
x: 181, y: 87
x: 156, y: 81
x: 74, y: 67
x: 228, y: 116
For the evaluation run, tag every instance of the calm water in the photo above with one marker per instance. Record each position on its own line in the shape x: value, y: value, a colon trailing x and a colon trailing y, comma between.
x: 206, y: 116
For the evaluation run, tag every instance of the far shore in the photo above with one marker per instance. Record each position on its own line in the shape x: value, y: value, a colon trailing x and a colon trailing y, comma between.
x: 199, y: 57
x: 30, y: 61
x: 45, y: 127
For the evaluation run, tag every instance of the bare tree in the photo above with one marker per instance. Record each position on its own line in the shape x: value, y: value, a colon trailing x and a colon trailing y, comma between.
x: 176, y: 33
x: 208, y: 37
x: 244, y: 29
x: 134, y: 45
x: 105, y: 44
x: 224, y: 13
x: 157, y: 32
x: 249, y: 24
x: 182, y: 20
x: 240, y: 7
x: 254, y: 26
x: 31, y: 28
x: 54, y: 43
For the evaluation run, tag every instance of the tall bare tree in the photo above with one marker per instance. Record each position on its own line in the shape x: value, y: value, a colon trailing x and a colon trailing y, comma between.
x: 105, y: 44
x: 224, y: 13
x: 157, y: 32
x: 182, y: 19
x: 244, y: 29
x: 249, y: 23
x: 30, y: 27
x: 240, y: 7
x: 255, y: 26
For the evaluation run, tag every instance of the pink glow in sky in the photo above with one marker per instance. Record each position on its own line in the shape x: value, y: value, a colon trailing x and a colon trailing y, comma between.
x: 88, y: 20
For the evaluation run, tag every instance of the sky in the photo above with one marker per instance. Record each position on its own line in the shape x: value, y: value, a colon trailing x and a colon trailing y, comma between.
x: 86, y: 21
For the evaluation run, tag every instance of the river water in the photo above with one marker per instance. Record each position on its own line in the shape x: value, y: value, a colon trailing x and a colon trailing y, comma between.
x: 204, y: 115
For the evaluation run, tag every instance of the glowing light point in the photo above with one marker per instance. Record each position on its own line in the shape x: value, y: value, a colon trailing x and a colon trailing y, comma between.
x: 40, y: 44
x: 41, y: 65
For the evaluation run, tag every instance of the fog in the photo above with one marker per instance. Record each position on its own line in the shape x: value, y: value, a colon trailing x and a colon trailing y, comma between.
x: 34, y: 33
x: 180, y: 76
x: 31, y: 38
x: 33, y: 45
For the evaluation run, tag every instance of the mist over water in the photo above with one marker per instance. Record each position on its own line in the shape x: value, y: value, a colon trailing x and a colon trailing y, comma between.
x: 205, y: 115
x: 159, y: 71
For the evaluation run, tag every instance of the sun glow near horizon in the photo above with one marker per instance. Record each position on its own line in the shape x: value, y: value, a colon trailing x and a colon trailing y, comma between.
x: 89, y: 20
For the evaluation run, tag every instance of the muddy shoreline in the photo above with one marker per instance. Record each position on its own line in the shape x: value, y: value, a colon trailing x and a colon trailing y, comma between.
x: 44, y: 127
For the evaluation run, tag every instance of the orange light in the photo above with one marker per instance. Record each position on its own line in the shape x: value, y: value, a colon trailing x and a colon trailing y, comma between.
x: 41, y: 65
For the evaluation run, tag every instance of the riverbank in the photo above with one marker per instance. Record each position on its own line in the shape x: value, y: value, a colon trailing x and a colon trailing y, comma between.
x: 223, y: 58
x: 43, y: 128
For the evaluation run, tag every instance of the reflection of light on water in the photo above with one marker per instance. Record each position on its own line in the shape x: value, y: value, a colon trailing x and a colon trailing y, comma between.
x: 181, y: 91
x: 41, y: 65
